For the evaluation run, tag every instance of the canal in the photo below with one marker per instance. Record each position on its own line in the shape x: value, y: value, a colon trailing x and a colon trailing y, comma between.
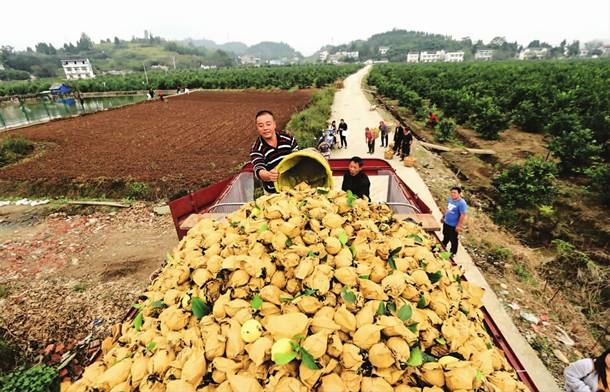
x: 15, y: 114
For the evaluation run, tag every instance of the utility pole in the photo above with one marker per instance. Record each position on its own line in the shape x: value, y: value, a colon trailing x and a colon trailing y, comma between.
x: 174, y: 59
x: 145, y: 74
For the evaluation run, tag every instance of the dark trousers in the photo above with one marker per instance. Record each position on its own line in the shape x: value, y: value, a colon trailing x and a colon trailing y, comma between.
x: 371, y: 147
x: 397, y: 145
x: 450, y: 235
x: 406, y: 151
x: 384, y: 139
x: 343, y: 141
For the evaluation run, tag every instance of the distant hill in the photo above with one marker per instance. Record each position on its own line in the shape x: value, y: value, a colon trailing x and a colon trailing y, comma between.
x: 264, y: 50
x: 237, y: 48
x: 273, y: 50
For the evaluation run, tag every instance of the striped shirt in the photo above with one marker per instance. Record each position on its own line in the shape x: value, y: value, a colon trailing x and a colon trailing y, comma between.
x: 266, y: 157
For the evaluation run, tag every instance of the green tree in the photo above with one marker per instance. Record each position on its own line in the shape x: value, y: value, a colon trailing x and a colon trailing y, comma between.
x: 574, y: 48
x: 488, y: 119
x: 527, y: 185
x: 84, y: 43
x: 576, y: 149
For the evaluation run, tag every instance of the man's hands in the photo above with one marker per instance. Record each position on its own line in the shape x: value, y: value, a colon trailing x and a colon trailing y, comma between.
x: 268, y: 175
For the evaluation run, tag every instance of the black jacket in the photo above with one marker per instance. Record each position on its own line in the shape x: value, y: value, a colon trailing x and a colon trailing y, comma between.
x: 358, y: 184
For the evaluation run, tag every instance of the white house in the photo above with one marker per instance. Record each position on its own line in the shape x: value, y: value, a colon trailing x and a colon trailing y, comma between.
x: 383, y: 50
x: 248, y: 59
x: 484, y: 54
x: 533, y: 53
x: 323, y: 55
x: 431, y: 57
x: 77, y: 69
x: 454, y: 57
x: 412, y: 57
x: 1, y: 67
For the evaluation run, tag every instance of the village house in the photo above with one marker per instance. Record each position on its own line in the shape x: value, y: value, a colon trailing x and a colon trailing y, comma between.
x: 412, y: 57
x: 454, y: 57
x: 77, y: 69
x: 484, y: 54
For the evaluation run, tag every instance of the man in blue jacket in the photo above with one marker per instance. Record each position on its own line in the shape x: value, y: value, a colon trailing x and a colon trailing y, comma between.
x: 453, y: 219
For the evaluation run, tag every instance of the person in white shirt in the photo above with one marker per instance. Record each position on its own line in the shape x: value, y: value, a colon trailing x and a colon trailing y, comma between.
x: 589, y: 375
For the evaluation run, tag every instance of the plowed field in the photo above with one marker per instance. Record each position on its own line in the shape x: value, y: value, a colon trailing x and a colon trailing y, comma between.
x: 174, y: 146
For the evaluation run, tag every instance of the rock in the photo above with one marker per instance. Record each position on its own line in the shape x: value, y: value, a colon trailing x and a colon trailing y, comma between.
x: 529, y: 317
x: 91, y: 221
x: 162, y: 210
x: 561, y: 356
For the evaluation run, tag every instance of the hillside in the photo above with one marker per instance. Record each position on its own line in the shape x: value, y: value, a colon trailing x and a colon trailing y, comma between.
x: 114, y: 56
x: 401, y: 42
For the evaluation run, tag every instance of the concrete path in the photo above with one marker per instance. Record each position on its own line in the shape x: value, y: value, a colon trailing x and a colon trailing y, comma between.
x: 351, y: 104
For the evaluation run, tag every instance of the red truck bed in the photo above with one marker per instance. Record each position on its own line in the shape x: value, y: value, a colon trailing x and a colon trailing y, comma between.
x: 228, y: 195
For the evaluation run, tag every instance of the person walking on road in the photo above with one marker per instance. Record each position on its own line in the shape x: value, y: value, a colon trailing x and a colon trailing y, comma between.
x: 453, y: 219
x: 269, y: 148
x: 589, y: 375
x: 383, y: 129
x: 343, y: 133
x: 370, y: 139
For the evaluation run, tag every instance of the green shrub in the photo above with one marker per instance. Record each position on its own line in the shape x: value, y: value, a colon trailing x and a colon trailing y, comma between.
x: 445, y: 131
x: 138, y: 190
x: 13, y: 149
x: 600, y: 178
x: 39, y: 378
x: 488, y: 119
x: 527, y: 185
x: 576, y: 149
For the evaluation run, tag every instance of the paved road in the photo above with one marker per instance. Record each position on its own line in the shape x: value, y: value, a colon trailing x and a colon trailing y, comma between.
x: 351, y: 104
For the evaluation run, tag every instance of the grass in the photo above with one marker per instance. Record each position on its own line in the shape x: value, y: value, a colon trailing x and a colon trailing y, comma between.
x: 79, y: 287
x: 13, y: 149
x: 523, y: 273
x: 307, y: 125
x: 4, y: 291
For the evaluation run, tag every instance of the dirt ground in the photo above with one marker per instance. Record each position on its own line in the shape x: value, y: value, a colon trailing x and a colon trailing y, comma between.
x: 67, y: 271
x: 181, y: 144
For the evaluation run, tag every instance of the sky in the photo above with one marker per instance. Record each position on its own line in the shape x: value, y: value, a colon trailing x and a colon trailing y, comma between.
x: 304, y: 25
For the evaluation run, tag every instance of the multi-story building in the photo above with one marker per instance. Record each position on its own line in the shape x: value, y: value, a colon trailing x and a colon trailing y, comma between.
x: 533, y: 53
x: 383, y: 50
x: 412, y: 57
x: 77, y: 69
x: 249, y: 59
x: 454, y: 57
x: 431, y: 57
x: 484, y: 54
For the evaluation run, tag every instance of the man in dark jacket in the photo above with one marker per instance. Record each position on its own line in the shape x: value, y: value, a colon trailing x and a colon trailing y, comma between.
x: 356, y: 180
x: 343, y: 133
x: 398, y: 133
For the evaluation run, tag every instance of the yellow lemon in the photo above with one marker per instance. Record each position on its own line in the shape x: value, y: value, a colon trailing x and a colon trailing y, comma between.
x: 281, y: 346
x: 251, y: 330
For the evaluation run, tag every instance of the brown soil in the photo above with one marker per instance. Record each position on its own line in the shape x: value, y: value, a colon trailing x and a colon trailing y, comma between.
x: 181, y: 144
